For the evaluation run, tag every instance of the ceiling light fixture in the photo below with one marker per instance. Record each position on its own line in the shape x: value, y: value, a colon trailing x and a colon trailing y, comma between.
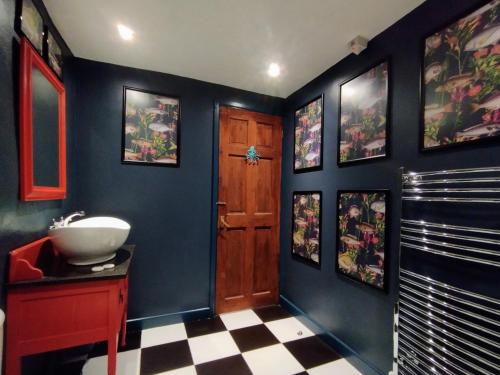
x: 125, y: 32
x: 274, y: 70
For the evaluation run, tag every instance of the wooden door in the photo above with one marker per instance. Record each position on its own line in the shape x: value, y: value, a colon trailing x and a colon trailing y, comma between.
x: 248, y: 210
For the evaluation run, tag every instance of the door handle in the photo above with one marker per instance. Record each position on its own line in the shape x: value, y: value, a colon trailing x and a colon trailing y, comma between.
x: 223, y: 221
x: 225, y: 224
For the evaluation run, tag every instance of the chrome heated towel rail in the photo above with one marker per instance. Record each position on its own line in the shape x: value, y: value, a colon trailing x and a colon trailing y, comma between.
x: 448, y: 310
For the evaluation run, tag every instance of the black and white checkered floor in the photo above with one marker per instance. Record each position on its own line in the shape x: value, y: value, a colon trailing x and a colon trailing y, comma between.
x: 265, y: 341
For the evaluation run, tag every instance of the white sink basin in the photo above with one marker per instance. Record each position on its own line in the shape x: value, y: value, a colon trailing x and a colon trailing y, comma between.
x: 90, y: 241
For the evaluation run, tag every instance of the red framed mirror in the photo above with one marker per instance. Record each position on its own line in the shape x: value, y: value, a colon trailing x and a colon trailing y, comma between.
x: 42, y: 129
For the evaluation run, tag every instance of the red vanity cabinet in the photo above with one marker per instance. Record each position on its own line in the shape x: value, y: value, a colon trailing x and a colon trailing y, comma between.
x: 70, y: 308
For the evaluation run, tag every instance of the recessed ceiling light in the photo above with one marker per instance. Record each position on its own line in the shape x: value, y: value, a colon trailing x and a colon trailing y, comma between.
x: 274, y: 70
x: 125, y: 32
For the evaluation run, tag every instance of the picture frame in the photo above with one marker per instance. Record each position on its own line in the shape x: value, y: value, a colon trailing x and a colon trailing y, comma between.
x: 53, y: 54
x: 309, y: 136
x: 458, y: 99
x: 361, y: 219
x: 33, y: 70
x: 30, y: 24
x: 363, y: 130
x: 151, y: 128
x: 306, y: 227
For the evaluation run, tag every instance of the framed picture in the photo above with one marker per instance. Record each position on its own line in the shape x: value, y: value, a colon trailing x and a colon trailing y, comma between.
x: 30, y: 23
x: 308, y: 140
x: 363, y: 116
x: 151, y: 128
x: 54, y: 55
x: 306, y: 226
x: 460, y: 93
x: 362, y: 235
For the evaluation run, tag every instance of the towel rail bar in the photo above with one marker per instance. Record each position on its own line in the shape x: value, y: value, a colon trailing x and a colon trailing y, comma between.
x: 453, y: 171
x: 432, y: 358
x: 449, y: 335
x: 449, y: 316
x: 409, y: 360
x: 446, y: 353
x: 452, y: 317
x: 450, y: 235
x: 448, y: 226
x: 403, y: 370
x: 420, y: 198
x: 451, y: 190
x: 445, y: 181
x: 449, y: 296
x: 451, y: 245
x: 449, y: 287
x: 449, y: 325
x: 450, y: 255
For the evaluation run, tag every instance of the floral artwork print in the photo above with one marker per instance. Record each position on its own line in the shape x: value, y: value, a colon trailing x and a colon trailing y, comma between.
x: 151, y: 128
x: 361, y: 236
x: 363, y: 116
x: 55, y: 58
x: 461, y: 79
x: 32, y: 24
x: 306, y: 226
x: 308, y: 135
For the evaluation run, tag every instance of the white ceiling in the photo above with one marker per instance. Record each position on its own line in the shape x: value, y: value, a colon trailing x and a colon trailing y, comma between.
x: 230, y: 42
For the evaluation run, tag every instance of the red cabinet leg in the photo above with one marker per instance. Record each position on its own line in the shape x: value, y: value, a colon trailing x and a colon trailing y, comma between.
x: 12, y: 364
x: 12, y: 361
x: 113, y: 327
x: 123, y: 334
x: 124, y: 317
x: 112, y: 341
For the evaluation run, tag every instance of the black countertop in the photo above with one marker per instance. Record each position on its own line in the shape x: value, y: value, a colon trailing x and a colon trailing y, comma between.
x: 58, y: 271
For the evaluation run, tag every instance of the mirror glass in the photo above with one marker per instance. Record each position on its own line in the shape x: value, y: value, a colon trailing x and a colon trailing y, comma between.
x: 45, y: 111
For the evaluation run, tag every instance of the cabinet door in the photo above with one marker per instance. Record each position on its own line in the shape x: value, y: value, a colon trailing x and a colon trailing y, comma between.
x: 53, y: 317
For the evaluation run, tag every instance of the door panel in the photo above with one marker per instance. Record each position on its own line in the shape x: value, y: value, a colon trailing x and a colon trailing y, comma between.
x: 238, y: 131
x: 264, y: 188
x: 234, y: 262
x: 248, y: 209
x: 236, y: 197
x: 263, y: 251
x: 264, y: 135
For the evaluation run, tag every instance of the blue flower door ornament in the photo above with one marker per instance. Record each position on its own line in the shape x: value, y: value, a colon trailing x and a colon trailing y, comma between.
x: 252, y: 156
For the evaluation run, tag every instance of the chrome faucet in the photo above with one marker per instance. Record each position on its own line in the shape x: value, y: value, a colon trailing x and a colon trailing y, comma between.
x: 63, y: 222
x: 57, y: 223
x: 70, y: 217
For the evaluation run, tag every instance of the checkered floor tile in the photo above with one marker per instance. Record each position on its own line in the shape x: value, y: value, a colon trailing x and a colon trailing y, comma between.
x: 264, y: 341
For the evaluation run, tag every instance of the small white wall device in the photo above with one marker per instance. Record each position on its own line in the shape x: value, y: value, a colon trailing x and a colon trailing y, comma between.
x: 358, y: 44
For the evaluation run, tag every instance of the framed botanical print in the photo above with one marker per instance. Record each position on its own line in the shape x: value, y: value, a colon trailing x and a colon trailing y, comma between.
x: 363, y: 116
x: 151, y: 128
x: 306, y: 226
x: 30, y: 24
x: 308, y: 139
x: 460, y: 80
x: 362, y: 235
x: 54, y: 54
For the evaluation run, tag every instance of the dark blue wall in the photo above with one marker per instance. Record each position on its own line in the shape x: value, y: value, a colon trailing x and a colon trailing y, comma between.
x: 358, y: 315
x: 169, y: 208
x: 20, y: 222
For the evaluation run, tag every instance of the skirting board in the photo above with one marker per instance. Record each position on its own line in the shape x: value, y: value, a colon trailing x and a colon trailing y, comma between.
x: 176, y: 317
x: 343, y: 349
